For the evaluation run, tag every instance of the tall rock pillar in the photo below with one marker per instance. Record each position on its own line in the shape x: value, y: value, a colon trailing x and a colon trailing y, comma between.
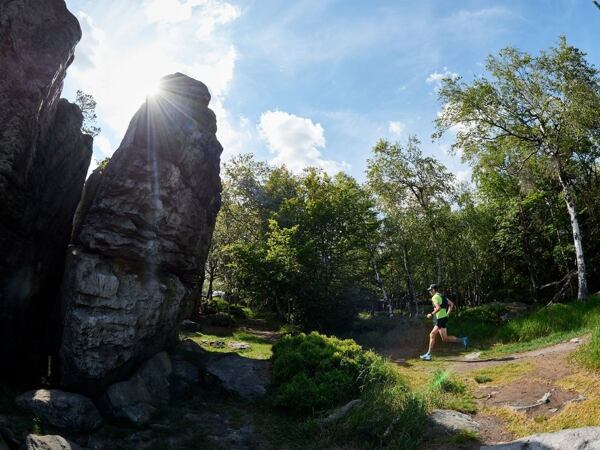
x: 141, y: 237
x: 43, y: 163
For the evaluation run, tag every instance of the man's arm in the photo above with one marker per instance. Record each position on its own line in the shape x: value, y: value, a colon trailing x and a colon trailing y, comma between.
x: 450, y: 306
x: 436, y: 308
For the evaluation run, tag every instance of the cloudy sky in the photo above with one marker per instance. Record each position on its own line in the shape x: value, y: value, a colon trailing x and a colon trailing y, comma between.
x: 309, y: 83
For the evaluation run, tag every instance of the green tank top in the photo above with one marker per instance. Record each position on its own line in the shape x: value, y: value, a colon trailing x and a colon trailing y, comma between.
x: 437, y: 299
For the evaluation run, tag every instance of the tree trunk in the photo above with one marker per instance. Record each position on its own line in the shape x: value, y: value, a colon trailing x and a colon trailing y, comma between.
x: 386, y: 298
x: 582, y: 290
x: 409, y: 278
x: 438, y: 261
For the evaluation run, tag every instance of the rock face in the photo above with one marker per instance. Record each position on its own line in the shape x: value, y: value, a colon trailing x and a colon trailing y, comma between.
x: 61, y: 409
x: 587, y: 438
x: 140, y: 239
x: 43, y: 164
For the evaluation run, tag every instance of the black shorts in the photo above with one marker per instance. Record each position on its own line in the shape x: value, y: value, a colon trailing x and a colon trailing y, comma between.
x: 441, y: 323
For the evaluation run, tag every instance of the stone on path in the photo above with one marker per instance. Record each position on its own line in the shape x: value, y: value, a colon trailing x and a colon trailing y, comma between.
x: 248, y: 378
x: 48, y: 442
x: 61, y: 409
x: 238, y: 345
x: 473, y: 356
x: 587, y: 438
x: 450, y: 422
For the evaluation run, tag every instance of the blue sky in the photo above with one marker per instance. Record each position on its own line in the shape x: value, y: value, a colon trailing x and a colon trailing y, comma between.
x: 309, y: 82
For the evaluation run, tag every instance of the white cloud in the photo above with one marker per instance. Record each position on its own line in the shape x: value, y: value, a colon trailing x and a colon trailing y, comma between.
x: 396, y: 127
x: 119, y: 62
x: 296, y: 142
x: 437, y: 77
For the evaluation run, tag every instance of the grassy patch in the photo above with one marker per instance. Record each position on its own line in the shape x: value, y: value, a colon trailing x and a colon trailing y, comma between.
x: 260, y: 348
x: 502, y: 373
x: 463, y: 437
x: 447, y: 391
x: 588, y: 355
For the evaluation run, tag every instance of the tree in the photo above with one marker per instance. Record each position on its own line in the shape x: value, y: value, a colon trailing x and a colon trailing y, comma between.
x: 533, y: 110
x: 87, y: 104
x: 406, y: 180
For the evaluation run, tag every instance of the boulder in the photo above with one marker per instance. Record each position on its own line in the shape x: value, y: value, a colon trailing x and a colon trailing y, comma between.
x: 140, y: 238
x: 191, y: 326
x: 587, y: 438
x: 61, y: 409
x: 450, y: 422
x: 186, y: 372
x: 156, y: 372
x: 48, y: 442
x: 43, y: 164
x: 248, y: 378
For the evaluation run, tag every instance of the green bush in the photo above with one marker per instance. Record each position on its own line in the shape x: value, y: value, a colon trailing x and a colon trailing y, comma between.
x: 222, y: 319
x: 480, y: 322
x: 315, y: 372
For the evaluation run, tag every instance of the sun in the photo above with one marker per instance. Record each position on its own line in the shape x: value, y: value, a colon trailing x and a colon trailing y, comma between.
x: 153, y: 88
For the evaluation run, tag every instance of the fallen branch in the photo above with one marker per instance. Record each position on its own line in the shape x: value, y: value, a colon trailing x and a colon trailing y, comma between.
x: 545, y: 399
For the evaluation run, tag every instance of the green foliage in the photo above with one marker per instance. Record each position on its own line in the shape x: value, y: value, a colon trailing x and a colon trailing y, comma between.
x: 222, y: 319
x: 315, y: 372
x: 87, y: 104
x: 480, y: 322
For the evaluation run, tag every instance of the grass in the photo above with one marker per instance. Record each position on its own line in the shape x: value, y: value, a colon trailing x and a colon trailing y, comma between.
x: 463, y: 437
x: 260, y: 348
x: 502, y: 373
x: 447, y: 391
x: 588, y: 355
x: 540, y: 328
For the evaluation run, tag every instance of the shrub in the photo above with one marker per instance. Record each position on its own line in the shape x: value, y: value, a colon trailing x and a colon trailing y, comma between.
x: 222, y: 319
x: 315, y: 372
x: 480, y: 322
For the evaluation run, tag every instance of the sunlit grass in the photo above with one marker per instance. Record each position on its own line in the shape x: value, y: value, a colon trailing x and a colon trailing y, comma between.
x: 502, y: 373
x: 260, y: 348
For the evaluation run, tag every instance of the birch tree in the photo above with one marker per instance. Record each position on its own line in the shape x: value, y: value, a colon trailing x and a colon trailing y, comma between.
x: 543, y: 109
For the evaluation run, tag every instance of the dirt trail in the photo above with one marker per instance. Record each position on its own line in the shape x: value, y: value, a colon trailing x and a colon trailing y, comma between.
x: 517, y: 380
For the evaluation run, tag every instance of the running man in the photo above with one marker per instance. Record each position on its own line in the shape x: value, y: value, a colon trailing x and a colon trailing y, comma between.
x: 442, y: 307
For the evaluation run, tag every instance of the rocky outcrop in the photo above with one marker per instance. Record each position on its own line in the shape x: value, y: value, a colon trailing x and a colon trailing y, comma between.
x: 61, y: 409
x: 587, y: 438
x: 141, y: 236
x: 43, y: 164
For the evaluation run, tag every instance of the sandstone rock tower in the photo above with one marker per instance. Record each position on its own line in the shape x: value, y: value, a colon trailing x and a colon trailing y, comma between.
x: 43, y: 163
x: 140, y: 237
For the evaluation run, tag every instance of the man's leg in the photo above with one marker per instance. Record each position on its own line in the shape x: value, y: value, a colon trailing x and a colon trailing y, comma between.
x: 446, y: 338
x: 432, y: 336
x: 444, y: 333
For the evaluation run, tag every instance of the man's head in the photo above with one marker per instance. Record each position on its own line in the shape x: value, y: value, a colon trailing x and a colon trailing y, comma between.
x: 433, y: 288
